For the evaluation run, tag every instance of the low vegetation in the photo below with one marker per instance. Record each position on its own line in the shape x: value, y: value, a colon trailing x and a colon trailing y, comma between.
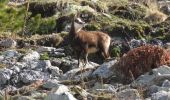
x: 142, y: 59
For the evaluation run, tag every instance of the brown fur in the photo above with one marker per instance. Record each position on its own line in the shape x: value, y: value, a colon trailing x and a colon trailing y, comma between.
x: 85, y: 42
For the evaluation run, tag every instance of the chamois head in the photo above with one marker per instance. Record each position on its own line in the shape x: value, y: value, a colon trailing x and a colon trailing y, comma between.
x: 78, y: 24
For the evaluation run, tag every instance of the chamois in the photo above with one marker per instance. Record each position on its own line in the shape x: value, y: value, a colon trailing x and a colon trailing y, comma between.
x: 86, y: 42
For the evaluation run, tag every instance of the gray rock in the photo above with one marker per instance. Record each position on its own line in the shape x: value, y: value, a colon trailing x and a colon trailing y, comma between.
x: 85, y: 74
x: 128, y: 94
x: 104, y: 87
x: 166, y: 83
x: 104, y: 70
x: 153, y: 89
x: 57, y: 54
x: 156, y: 42
x: 61, y: 89
x: 24, y: 98
x: 10, y: 53
x: 78, y: 90
x: 136, y: 43
x: 21, y: 65
x: 59, y: 50
x: 63, y: 96
x: 30, y: 76
x: 37, y: 94
x: 147, y: 98
x: 38, y: 65
x: 1, y: 58
x: 9, y: 88
x: 42, y: 65
x: 156, y: 76
x: 8, y: 43
x: 49, y: 84
x: 55, y: 71
x: 167, y: 45
x: 32, y: 55
x: 15, y: 69
x: 60, y: 93
x: 161, y: 95
x: 45, y: 49
x: 77, y: 74
x: 5, y: 75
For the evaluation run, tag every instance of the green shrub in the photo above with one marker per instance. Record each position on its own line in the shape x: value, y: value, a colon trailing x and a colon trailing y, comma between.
x: 44, y: 56
x: 115, y: 52
x: 11, y: 18
x: 40, y: 25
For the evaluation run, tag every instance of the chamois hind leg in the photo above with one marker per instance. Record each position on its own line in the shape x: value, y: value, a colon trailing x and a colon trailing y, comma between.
x: 105, y: 51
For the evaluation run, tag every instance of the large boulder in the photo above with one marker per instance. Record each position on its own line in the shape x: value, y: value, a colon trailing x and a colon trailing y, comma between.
x: 104, y: 71
x: 154, y: 77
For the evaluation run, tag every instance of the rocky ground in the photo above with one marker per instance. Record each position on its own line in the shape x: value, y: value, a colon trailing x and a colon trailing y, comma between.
x: 48, y: 73
x: 44, y: 67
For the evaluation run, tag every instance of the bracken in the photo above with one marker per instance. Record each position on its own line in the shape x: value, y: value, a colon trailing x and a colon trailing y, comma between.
x: 141, y: 60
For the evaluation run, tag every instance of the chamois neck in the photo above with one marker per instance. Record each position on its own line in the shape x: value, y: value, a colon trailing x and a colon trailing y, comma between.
x: 72, y: 30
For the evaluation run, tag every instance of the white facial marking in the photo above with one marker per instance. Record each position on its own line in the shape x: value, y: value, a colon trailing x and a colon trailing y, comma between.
x: 78, y: 24
x: 80, y: 20
x: 78, y: 27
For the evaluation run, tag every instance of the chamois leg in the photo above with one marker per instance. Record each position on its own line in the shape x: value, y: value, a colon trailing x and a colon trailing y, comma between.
x: 78, y: 57
x: 86, y: 59
x: 105, y: 52
x: 85, y: 55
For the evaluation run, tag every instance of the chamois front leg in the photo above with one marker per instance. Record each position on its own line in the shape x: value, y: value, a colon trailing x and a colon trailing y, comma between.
x: 85, y: 55
x: 78, y: 57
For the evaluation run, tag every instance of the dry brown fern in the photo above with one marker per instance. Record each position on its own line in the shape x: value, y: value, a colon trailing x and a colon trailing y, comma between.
x: 141, y: 60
